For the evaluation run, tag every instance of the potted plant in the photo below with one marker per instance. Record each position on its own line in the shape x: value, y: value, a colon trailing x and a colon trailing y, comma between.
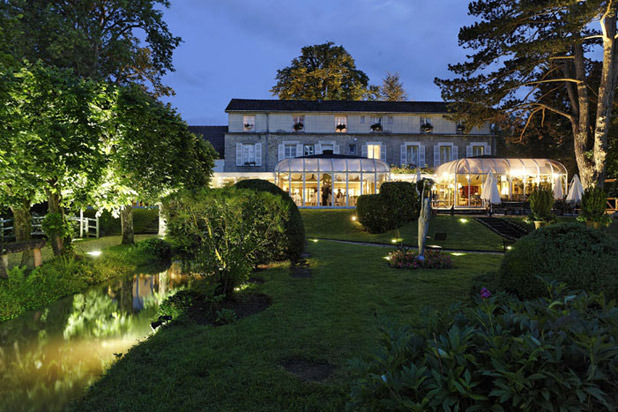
x: 248, y: 126
x: 460, y: 128
x: 593, y: 208
x: 426, y: 127
x: 298, y: 126
x: 376, y: 127
x: 541, y: 203
x: 341, y: 127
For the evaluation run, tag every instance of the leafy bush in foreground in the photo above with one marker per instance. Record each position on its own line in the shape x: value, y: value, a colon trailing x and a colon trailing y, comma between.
x: 502, y: 354
x: 394, y: 206
x: 156, y: 247
x: 294, y: 233
x: 568, y: 252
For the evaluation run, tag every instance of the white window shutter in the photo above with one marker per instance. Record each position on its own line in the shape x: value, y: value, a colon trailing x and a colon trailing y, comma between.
x: 382, y: 152
x: 404, y: 155
x: 364, y: 151
x: 299, y: 150
x: 239, y: 161
x: 258, y: 154
x: 281, y: 154
x: 436, y: 156
x: 488, y: 150
x: 336, y: 149
x: 469, y: 150
x: 454, y: 154
x: 421, y: 156
x: 318, y: 149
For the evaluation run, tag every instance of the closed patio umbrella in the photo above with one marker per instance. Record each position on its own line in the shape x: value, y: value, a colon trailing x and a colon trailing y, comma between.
x: 576, y: 191
x: 490, y: 192
x: 558, y: 193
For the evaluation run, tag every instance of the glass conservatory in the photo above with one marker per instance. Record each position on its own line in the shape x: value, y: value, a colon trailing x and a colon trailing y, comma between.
x: 330, y: 180
x: 459, y: 183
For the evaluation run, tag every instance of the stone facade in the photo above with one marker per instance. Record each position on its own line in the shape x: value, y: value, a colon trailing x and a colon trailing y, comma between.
x: 259, y: 136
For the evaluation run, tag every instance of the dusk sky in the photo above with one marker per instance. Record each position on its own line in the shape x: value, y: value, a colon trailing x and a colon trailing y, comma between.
x: 233, y: 48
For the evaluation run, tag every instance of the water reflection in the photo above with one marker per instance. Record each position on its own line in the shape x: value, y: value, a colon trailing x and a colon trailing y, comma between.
x: 48, y: 357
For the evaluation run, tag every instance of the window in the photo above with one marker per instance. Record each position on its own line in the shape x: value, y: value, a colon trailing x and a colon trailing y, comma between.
x: 459, y: 129
x: 373, y: 151
x: 327, y: 146
x: 478, y: 150
x: 248, y: 154
x: 412, y: 155
x: 390, y: 119
x: 426, y: 126
x: 248, y: 123
x: 376, y: 119
x: 352, y: 149
x: 445, y: 154
x: 362, y: 120
x: 298, y: 123
x: 308, y: 150
x: 290, y: 151
x: 341, y: 124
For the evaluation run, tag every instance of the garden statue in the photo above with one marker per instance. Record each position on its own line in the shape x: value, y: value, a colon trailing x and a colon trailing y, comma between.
x: 423, y: 219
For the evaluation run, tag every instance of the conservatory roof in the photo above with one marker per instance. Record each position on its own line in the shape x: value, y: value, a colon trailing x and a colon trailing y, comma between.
x: 517, y: 167
x: 332, y: 163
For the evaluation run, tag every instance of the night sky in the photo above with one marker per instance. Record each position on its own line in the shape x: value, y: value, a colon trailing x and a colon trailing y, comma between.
x: 233, y: 48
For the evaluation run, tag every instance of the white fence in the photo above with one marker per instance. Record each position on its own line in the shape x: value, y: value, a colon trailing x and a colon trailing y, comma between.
x: 86, y: 227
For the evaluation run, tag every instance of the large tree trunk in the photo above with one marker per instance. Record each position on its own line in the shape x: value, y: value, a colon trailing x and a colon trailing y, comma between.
x: 22, y: 227
x: 126, y: 221
x: 162, y: 221
x: 53, y: 206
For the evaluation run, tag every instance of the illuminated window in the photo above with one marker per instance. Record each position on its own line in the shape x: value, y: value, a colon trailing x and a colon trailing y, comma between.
x: 248, y: 123
x: 373, y: 151
x: 478, y: 150
x: 341, y: 124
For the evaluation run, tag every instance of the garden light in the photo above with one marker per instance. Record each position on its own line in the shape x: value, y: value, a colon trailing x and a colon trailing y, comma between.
x: 314, y: 240
x: 95, y: 253
x: 353, y: 218
x: 462, y: 220
x: 457, y: 254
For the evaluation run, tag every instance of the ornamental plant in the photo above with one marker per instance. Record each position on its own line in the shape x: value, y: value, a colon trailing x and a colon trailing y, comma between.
x: 541, y: 202
x: 593, y: 207
x: 404, y: 258
x: 553, y: 354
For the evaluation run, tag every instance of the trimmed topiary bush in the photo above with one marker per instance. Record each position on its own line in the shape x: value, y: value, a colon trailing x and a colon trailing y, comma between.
x: 541, y: 202
x: 502, y: 354
x: 294, y: 228
x: 394, y: 206
x: 372, y: 213
x: 568, y: 252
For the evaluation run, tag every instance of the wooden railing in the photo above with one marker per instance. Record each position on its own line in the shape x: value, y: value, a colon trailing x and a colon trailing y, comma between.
x: 612, y: 205
x: 87, y: 227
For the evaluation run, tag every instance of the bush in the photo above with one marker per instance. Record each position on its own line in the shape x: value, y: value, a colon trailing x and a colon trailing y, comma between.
x: 145, y: 221
x: 500, y: 355
x: 222, y: 233
x: 156, y: 247
x: 568, y: 252
x: 593, y: 206
x: 394, y: 206
x: 294, y: 228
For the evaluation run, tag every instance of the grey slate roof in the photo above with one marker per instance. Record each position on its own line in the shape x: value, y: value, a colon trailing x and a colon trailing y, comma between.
x: 213, y: 134
x: 251, y: 105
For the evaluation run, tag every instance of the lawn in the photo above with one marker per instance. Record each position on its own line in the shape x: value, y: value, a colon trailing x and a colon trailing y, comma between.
x: 462, y: 232
x: 330, y: 317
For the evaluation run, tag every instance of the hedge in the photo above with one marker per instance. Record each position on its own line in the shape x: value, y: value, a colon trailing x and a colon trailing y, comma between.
x: 394, y: 206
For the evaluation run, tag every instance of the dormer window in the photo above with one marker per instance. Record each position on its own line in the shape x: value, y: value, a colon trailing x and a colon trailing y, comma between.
x: 248, y: 123
x: 460, y: 128
x: 341, y: 124
x: 426, y: 126
x: 298, y: 123
x: 376, y: 124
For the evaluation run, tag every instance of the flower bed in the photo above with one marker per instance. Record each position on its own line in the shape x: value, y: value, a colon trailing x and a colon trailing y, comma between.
x: 403, y: 258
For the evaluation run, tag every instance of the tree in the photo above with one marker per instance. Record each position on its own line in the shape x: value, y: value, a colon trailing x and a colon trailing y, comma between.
x: 392, y: 89
x: 96, y: 38
x: 520, y: 46
x: 51, y: 143
x: 321, y: 72
x: 152, y: 153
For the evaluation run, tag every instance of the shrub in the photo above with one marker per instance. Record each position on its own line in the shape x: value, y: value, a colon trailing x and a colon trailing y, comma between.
x: 541, y: 202
x: 568, y: 252
x: 403, y: 258
x: 294, y: 228
x: 156, y: 247
x: 593, y: 206
x: 372, y: 213
x: 500, y: 354
x: 178, y: 304
x: 396, y: 205
x: 222, y: 233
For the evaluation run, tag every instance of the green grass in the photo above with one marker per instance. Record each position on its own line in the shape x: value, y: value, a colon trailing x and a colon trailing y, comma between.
x: 338, y: 224
x: 331, y: 317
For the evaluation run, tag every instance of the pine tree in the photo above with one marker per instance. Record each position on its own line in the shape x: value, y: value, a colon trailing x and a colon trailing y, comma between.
x: 392, y: 89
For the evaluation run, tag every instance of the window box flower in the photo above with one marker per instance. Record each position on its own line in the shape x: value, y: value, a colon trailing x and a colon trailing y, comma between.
x: 426, y: 128
x: 248, y: 126
x: 376, y: 127
x: 298, y: 127
x: 341, y: 127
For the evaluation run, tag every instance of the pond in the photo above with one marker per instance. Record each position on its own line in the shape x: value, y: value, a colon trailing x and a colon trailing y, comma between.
x: 50, y: 356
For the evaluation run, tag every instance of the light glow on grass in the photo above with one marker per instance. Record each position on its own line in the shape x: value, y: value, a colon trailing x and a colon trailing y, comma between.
x: 387, y: 257
x: 353, y: 218
x: 509, y: 247
x: 463, y: 220
x: 457, y: 254
x: 95, y: 253
x: 314, y: 240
